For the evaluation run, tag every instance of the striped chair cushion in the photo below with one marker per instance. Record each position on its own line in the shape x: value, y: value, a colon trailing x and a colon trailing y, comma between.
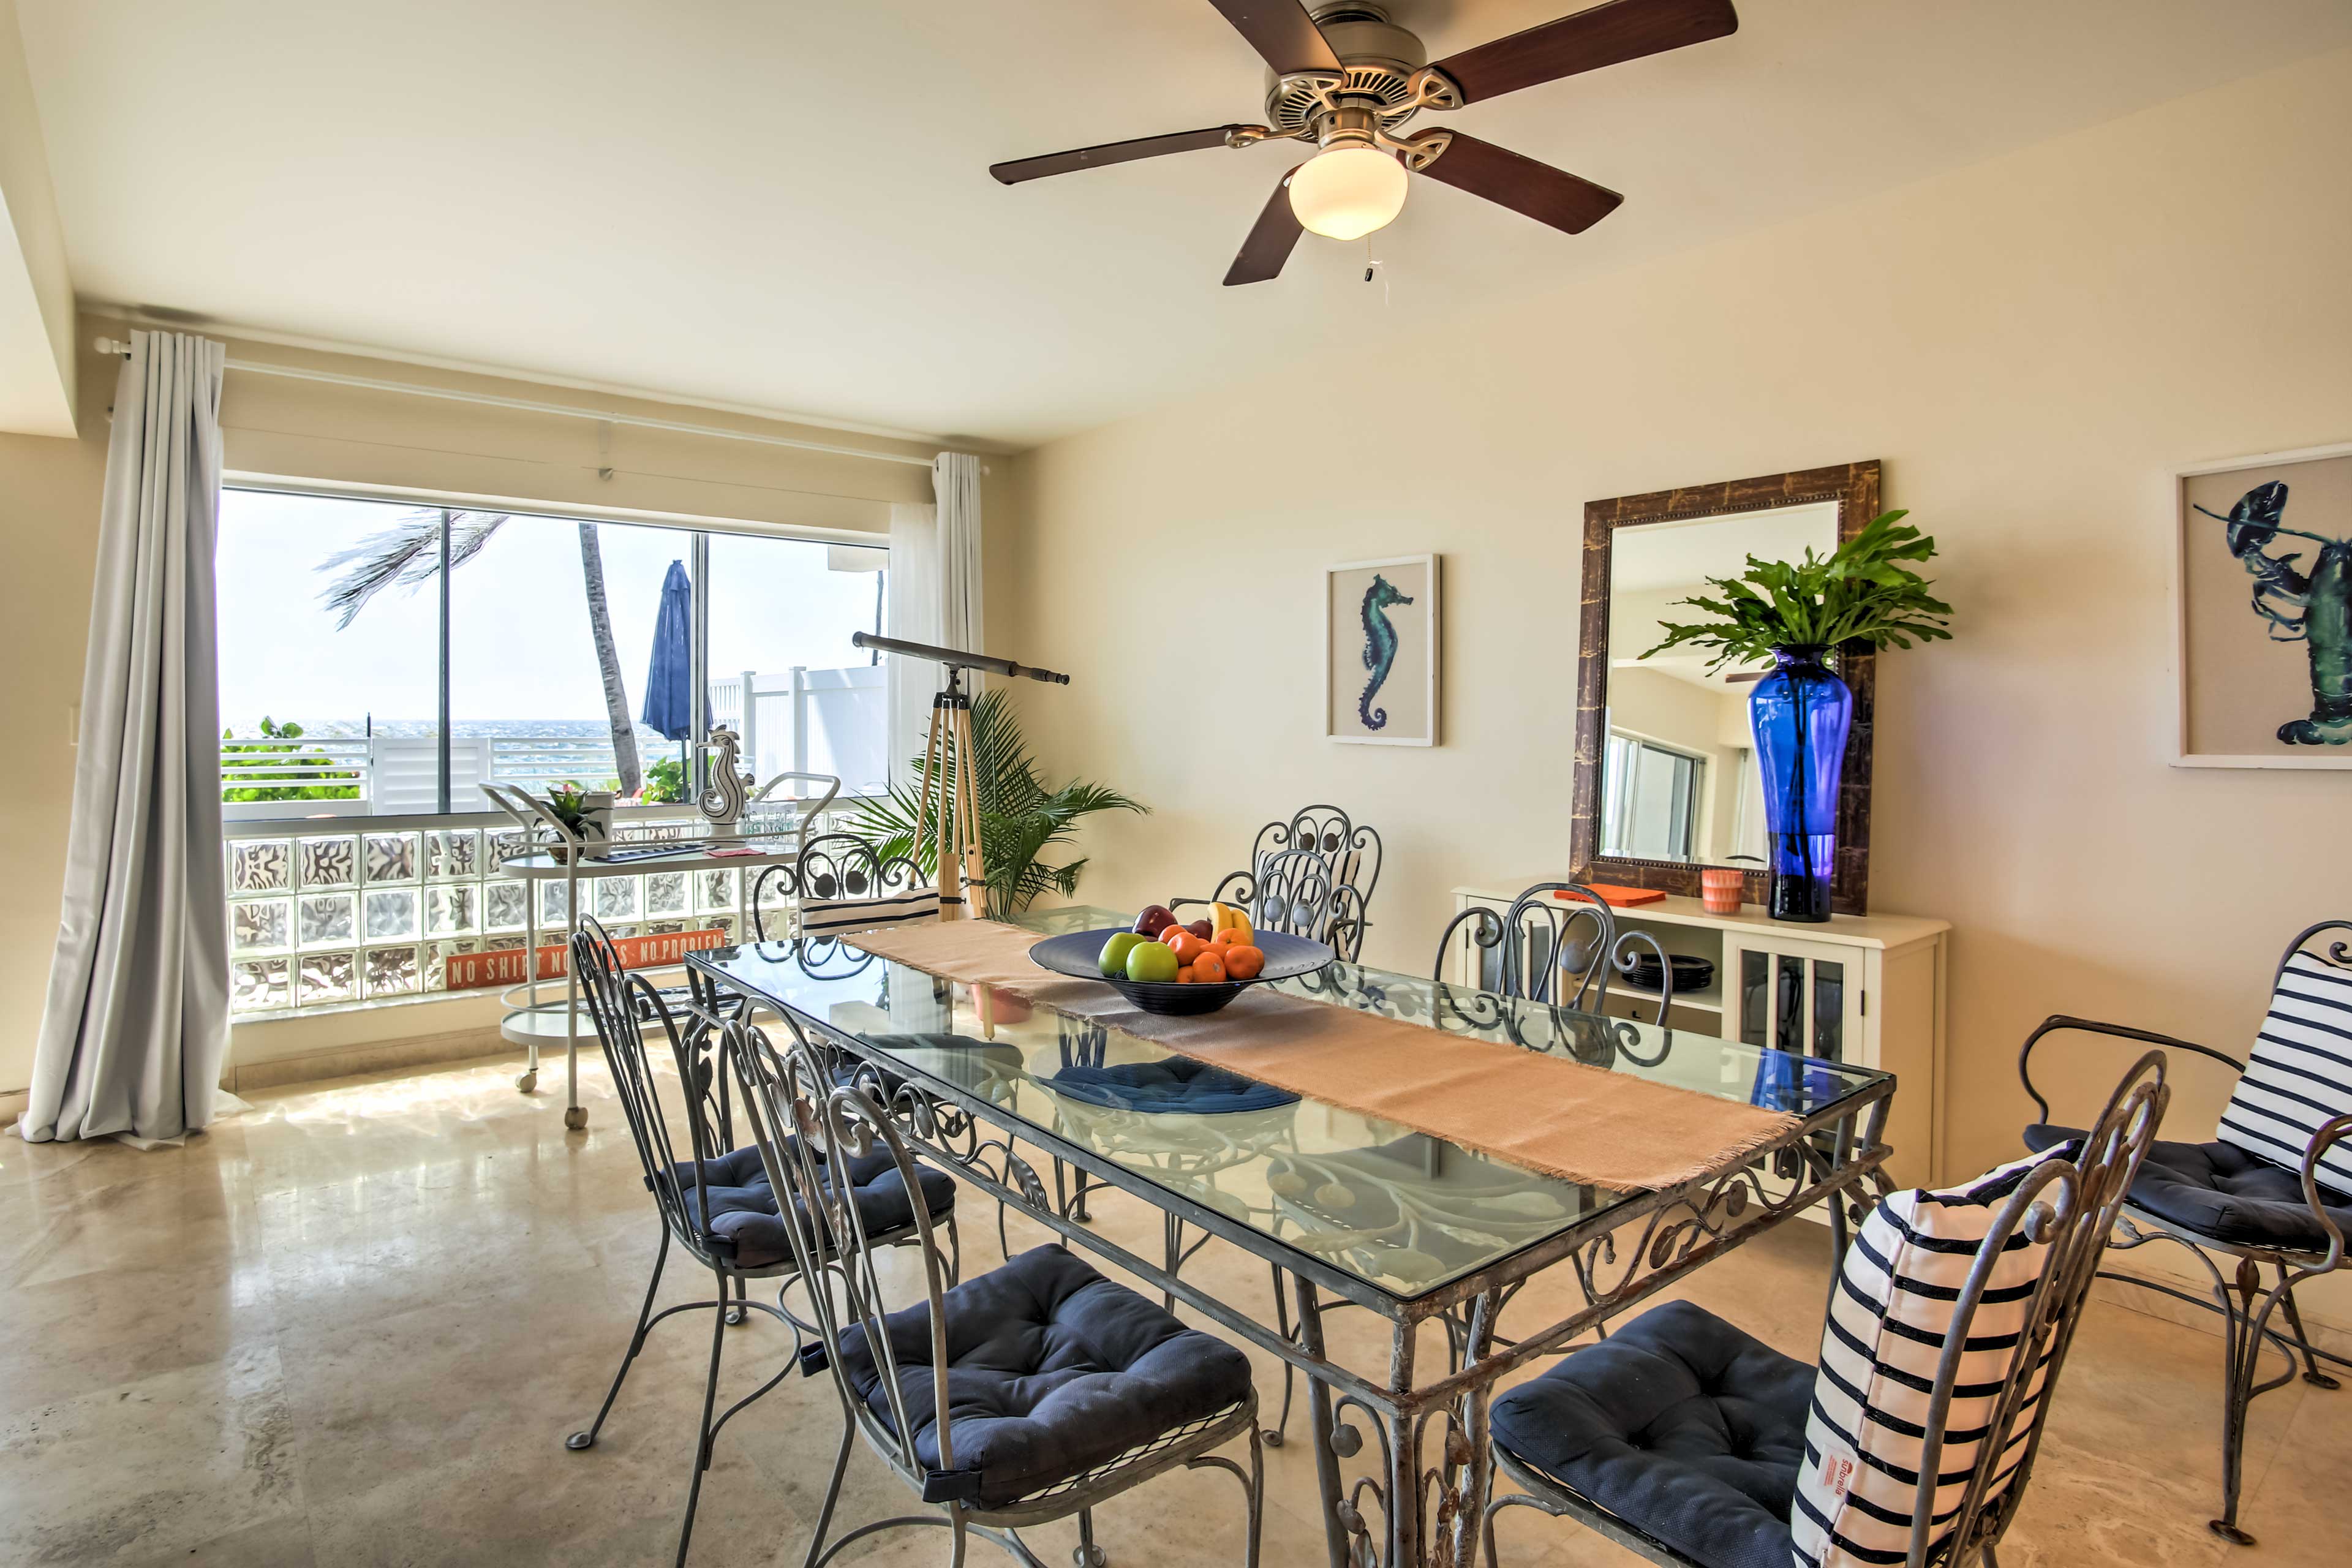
x: 1887, y: 1323
x: 822, y: 918
x: 2300, y: 1074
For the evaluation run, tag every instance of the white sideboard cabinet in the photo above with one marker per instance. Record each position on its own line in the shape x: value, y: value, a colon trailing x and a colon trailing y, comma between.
x: 1866, y: 989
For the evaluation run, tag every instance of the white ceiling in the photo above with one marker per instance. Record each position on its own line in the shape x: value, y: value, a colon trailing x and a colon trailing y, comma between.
x: 785, y: 203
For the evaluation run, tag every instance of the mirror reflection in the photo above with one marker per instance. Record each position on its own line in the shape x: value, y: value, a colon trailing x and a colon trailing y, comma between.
x: 1678, y: 772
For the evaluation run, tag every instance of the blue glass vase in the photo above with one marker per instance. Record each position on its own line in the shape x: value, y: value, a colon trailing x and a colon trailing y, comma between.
x: 1800, y: 712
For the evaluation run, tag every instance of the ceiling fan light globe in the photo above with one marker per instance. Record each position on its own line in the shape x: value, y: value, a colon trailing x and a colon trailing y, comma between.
x: 1347, y: 192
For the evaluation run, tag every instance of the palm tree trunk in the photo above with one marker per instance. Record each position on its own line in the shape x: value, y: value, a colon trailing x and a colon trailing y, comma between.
x: 608, y: 662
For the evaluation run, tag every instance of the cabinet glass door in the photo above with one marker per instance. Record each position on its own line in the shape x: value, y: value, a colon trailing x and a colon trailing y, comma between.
x: 1802, y: 997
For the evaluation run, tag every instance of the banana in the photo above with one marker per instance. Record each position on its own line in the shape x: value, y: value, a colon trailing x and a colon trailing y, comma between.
x: 1224, y: 917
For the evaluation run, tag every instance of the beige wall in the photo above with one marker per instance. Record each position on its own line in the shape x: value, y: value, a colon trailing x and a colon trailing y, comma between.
x: 379, y: 441
x: 2031, y: 345
x: 49, y: 491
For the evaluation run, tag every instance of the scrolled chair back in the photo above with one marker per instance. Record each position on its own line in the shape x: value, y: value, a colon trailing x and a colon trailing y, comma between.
x: 806, y: 1122
x: 1352, y: 854
x: 844, y: 883
x: 1546, y: 927
x: 1295, y: 894
x: 627, y: 1009
x: 2066, y: 1207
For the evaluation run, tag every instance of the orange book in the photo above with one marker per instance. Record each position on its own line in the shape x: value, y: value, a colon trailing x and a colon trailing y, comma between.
x: 1619, y: 896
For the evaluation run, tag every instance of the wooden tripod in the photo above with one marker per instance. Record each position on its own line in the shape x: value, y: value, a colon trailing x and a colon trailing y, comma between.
x: 950, y: 803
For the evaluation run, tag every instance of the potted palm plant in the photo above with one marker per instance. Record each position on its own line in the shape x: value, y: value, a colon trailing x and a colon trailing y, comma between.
x: 1798, y: 615
x: 1020, y: 819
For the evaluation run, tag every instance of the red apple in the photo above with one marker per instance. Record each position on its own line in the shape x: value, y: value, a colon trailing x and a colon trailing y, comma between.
x: 1155, y: 919
x: 1202, y: 929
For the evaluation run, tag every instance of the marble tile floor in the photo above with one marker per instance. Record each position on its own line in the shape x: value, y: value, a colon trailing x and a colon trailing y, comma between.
x: 353, y: 1328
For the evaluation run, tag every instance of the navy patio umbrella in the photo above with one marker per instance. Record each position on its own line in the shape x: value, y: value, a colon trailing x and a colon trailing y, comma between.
x: 669, y: 679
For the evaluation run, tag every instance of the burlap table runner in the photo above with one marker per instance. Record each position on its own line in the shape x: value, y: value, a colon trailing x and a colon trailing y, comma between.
x: 1563, y: 1117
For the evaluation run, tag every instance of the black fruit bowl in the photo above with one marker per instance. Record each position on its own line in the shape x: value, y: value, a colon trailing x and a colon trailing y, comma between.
x: 1078, y: 954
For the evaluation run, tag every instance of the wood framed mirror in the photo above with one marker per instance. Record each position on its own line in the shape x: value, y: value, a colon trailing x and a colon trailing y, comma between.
x: 1665, y: 764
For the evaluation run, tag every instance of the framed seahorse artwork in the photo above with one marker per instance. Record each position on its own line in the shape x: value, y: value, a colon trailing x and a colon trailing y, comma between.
x: 1380, y: 651
x: 2262, y: 606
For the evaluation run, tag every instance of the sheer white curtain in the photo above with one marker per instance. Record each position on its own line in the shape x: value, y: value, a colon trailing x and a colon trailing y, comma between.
x: 913, y: 615
x: 955, y: 481
x: 136, y: 1025
x: 934, y: 594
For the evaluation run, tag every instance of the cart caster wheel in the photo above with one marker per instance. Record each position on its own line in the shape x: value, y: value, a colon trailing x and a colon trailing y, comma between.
x: 575, y: 1118
x: 579, y: 1440
x: 2320, y: 1380
x: 528, y: 1083
x: 1270, y: 1438
x: 2228, y: 1532
x: 1088, y: 1557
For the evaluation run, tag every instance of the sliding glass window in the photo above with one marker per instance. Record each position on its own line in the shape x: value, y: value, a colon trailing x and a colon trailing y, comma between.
x: 359, y: 678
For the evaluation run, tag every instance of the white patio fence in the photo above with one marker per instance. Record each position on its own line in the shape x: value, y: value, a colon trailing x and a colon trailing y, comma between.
x: 800, y: 721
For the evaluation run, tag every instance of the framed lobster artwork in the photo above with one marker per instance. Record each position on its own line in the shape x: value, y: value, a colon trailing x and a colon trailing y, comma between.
x: 2262, y: 607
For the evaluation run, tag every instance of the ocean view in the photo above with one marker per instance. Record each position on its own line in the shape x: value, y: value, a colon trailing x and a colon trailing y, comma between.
x: 505, y: 729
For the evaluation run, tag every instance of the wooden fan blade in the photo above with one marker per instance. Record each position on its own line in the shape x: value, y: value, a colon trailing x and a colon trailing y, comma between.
x: 1282, y: 33
x: 1604, y: 35
x: 1545, y: 194
x: 1037, y: 168
x: 1270, y: 240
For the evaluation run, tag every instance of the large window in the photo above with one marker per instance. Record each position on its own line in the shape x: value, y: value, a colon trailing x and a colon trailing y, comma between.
x: 386, y: 659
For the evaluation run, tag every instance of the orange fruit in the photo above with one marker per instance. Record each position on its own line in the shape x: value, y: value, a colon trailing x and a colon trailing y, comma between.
x: 1186, y: 946
x: 1243, y: 962
x: 1210, y: 966
x: 1184, y: 977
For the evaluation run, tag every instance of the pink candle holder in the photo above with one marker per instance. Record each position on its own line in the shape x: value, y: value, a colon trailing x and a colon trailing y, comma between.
x: 1719, y: 890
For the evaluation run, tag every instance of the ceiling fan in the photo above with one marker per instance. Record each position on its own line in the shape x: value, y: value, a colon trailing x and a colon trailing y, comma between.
x: 1347, y: 79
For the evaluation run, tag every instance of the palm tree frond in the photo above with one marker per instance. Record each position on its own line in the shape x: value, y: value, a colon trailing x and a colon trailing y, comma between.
x: 1020, y: 819
x: 405, y: 555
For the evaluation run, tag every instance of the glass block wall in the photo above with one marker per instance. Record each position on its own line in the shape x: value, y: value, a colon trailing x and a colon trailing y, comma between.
x: 323, y: 917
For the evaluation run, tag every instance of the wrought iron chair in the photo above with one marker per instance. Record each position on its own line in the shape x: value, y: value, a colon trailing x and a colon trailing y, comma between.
x: 1693, y: 1444
x: 1312, y: 875
x: 1536, y: 947
x: 2283, y: 1210
x: 946, y: 1388
x: 842, y: 878
x: 717, y: 1203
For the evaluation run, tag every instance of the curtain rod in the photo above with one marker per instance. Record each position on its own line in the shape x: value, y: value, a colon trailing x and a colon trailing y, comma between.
x: 524, y: 405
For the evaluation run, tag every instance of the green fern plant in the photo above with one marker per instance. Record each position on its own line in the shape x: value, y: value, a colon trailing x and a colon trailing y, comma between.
x: 1020, y: 819
x: 1860, y: 592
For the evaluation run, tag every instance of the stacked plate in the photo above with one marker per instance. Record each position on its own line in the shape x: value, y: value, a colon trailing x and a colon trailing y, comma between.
x: 1691, y: 974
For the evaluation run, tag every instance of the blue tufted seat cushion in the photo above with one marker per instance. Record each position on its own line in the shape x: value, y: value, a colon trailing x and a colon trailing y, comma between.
x: 1177, y: 1084
x: 1679, y: 1424
x: 2218, y: 1190
x: 1052, y: 1370
x: 746, y: 1228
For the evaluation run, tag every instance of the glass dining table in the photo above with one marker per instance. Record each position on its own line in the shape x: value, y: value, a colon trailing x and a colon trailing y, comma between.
x: 1044, y: 1111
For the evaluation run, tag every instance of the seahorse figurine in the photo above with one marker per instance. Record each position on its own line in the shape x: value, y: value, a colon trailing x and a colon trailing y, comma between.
x: 1380, y: 647
x: 724, y: 798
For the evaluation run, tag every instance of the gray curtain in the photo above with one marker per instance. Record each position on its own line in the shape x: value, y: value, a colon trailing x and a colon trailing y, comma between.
x: 955, y: 481
x: 914, y: 616
x: 136, y: 1025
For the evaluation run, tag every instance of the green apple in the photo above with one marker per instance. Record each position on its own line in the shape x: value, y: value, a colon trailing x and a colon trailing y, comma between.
x: 1151, y: 960
x: 1114, y: 954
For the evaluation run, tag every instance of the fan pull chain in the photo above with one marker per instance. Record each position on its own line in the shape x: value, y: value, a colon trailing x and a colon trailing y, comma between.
x: 1373, y: 264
